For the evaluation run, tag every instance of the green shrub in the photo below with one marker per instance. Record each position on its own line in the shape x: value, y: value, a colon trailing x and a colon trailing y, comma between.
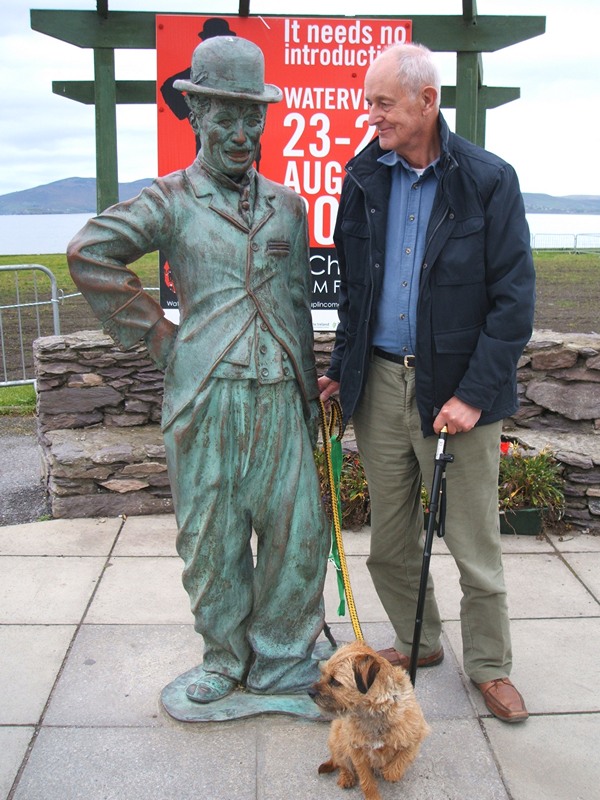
x: 354, y: 493
x: 530, y: 480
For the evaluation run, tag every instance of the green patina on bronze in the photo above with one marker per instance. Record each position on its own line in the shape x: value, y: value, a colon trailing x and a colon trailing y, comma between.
x: 240, y: 403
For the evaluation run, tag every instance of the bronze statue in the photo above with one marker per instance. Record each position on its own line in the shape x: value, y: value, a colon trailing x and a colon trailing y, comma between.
x: 240, y: 405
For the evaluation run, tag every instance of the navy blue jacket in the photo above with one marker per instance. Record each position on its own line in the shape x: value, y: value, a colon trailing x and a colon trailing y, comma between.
x: 477, y: 285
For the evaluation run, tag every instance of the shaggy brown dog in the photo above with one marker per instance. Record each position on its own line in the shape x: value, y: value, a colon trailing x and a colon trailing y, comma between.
x: 380, y: 725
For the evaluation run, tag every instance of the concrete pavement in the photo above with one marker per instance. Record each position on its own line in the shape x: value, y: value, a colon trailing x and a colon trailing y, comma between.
x: 94, y: 623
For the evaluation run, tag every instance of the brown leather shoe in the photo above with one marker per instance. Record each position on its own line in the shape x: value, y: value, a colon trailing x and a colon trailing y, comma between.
x: 400, y: 660
x: 503, y: 700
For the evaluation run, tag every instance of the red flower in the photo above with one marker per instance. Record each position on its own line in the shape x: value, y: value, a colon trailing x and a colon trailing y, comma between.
x: 504, y: 447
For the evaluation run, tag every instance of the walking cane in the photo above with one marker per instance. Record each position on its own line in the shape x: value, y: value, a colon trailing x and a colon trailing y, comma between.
x: 437, y: 500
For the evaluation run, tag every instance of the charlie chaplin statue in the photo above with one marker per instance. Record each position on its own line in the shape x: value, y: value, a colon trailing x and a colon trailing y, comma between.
x: 240, y: 400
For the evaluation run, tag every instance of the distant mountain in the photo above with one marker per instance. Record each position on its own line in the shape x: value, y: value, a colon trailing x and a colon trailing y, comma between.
x: 78, y: 196
x: 68, y: 196
x: 571, y: 204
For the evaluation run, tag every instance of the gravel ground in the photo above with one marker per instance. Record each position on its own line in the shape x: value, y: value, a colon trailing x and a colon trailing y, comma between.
x: 23, y: 498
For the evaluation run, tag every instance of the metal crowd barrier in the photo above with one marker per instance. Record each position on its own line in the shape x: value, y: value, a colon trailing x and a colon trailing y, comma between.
x: 22, y: 320
x: 574, y: 242
x: 28, y: 311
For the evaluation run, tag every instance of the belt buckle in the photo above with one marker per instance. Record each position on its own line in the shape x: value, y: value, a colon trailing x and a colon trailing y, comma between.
x: 406, y: 362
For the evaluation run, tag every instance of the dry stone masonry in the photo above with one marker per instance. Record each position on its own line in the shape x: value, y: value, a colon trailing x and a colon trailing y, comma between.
x: 559, y: 386
x: 99, y: 427
x: 99, y: 413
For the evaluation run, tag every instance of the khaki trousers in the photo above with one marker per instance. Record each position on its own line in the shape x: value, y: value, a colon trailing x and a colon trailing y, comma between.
x: 397, y: 459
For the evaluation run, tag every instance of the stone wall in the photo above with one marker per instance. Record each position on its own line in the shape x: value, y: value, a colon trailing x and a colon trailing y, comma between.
x: 99, y: 411
x: 559, y: 388
x: 98, y: 414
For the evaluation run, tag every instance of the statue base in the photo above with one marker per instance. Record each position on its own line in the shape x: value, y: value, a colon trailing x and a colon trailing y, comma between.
x: 240, y: 703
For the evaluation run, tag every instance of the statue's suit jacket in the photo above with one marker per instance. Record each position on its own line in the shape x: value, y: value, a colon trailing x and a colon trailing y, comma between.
x: 208, y: 245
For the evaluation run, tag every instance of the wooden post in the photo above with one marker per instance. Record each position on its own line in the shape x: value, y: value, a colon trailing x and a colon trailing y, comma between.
x: 107, y: 178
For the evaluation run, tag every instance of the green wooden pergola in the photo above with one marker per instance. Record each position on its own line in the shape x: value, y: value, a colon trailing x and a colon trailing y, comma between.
x: 468, y: 35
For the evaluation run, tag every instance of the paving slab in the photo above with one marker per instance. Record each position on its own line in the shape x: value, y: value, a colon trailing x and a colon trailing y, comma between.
x: 14, y: 742
x: 105, y: 734
x: 147, y: 536
x: 514, y: 543
x: 357, y: 543
x: 555, y: 665
x: 290, y: 751
x: 368, y: 605
x: 279, y: 774
x: 541, y: 586
x: 60, y: 537
x: 587, y: 569
x: 46, y: 590
x: 141, y: 590
x: 115, y: 674
x: 574, y: 542
x: 31, y: 659
x: 455, y: 763
x: 538, y: 585
x: 177, y: 763
x: 549, y: 758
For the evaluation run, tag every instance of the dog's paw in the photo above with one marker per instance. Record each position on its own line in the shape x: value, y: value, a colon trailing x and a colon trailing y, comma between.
x: 395, y: 770
x: 346, y: 779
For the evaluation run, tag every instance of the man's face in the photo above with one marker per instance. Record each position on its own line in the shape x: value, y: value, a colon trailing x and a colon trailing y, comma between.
x: 397, y: 115
x: 229, y: 134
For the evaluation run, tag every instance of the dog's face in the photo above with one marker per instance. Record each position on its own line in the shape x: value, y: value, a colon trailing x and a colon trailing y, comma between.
x: 355, y: 677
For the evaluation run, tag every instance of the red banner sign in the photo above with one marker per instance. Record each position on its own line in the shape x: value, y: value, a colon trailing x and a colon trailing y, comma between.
x: 320, y: 66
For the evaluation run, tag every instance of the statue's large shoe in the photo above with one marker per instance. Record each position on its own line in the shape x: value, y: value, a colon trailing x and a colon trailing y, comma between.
x: 210, y: 686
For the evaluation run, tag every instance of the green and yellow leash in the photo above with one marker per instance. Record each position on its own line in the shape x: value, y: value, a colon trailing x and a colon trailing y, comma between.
x: 332, y: 450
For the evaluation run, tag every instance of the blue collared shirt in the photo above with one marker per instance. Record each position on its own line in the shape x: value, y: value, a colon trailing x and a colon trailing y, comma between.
x: 411, y: 201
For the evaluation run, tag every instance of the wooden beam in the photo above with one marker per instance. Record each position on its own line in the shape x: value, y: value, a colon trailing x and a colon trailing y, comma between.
x: 133, y: 30
x: 489, y: 96
x: 136, y: 30
x: 127, y: 92
x: 144, y: 92
x: 486, y: 35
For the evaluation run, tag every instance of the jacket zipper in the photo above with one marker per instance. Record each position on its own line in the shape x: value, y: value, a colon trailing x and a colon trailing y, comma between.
x: 367, y: 216
x: 444, y: 215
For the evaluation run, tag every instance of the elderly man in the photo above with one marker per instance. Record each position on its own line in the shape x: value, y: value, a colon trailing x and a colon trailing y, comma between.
x: 239, y: 412
x: 436, y: 306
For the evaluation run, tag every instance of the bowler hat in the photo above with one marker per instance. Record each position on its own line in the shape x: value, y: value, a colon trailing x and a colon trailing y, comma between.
x: 229, y: 67
x: 215, y: 26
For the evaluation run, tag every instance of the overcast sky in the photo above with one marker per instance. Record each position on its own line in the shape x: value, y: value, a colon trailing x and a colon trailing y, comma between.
x: 551, y: 135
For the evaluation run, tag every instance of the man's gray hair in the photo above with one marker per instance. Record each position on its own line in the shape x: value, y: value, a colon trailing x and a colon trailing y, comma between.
x: 416, y: 68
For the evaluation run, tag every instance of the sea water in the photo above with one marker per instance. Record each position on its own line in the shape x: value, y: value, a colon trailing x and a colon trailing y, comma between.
x: 33, y: 234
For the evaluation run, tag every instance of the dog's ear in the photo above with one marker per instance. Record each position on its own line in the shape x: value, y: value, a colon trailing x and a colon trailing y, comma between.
x: 366, y: 670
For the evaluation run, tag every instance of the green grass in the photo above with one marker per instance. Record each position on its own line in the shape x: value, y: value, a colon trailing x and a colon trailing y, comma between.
x: 146, y: 268
x: 570, y: 269
x: 568, y: 291
x: 18, y: 400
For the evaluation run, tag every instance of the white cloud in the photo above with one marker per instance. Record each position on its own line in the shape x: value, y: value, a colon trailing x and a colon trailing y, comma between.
x: 550, y: 134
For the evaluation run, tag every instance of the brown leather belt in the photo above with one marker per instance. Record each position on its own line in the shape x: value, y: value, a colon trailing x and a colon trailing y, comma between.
x: 407, y: 361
